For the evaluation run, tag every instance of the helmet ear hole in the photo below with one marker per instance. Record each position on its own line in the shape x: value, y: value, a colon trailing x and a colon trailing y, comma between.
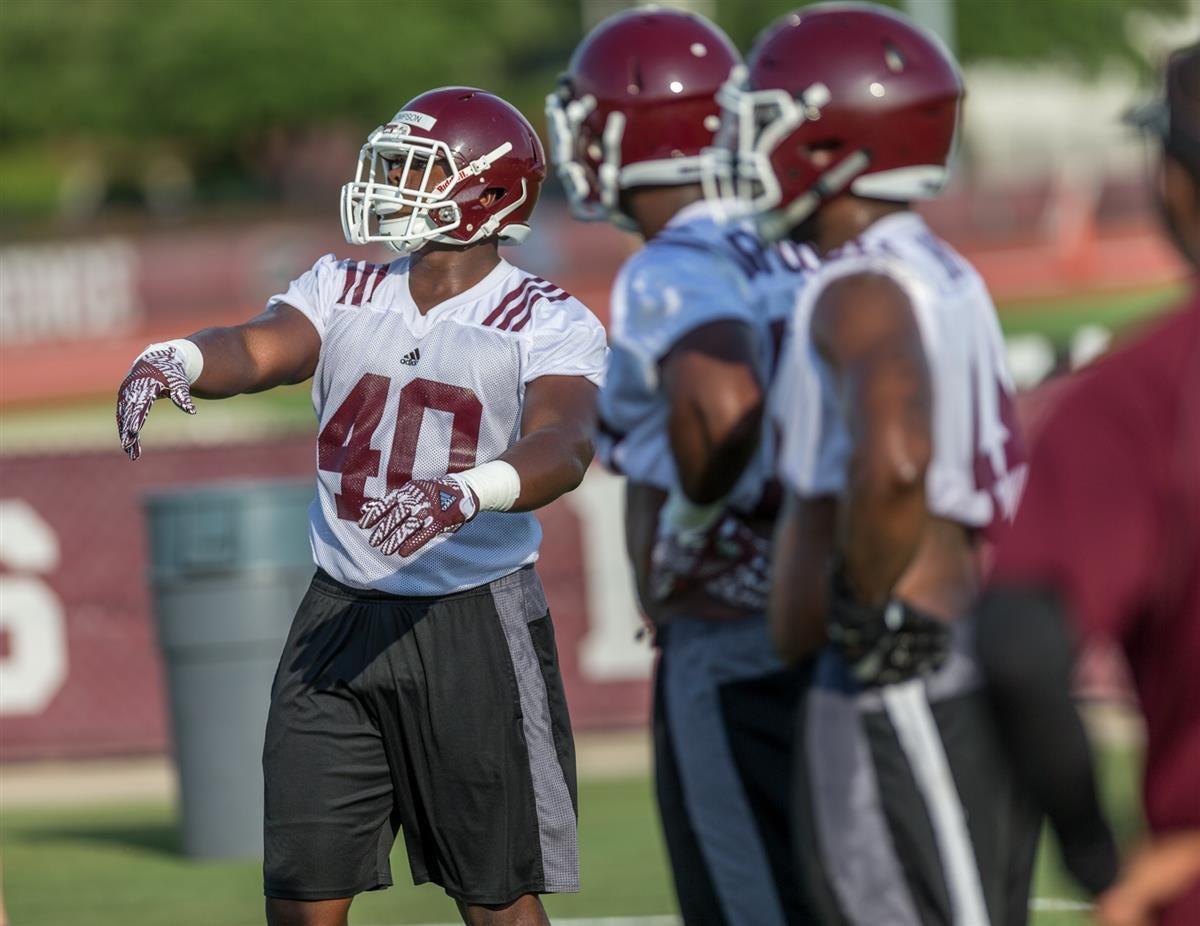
x: 492, y: 195
x: 822, y: 152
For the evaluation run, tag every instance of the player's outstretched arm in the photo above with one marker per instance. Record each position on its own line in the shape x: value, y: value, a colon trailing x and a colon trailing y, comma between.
x: 279, y: 346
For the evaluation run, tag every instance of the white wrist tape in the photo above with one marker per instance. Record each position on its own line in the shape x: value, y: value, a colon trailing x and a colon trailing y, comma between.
x: 193, y: 359
x: 497, y: 485
x: 683, y: 516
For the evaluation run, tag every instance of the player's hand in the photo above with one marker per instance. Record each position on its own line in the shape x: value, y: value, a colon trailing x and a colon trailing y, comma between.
x: 156, y: 373
x: 407, y: 518
x: 1156, y: 874
x: 883, y: 645
x: 728, y: 561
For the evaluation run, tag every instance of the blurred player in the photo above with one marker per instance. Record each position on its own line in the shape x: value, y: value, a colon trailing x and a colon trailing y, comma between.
x: 419, y: 686
x: 697, y: 318
x: 899, y: 449
x: 1107, y: 544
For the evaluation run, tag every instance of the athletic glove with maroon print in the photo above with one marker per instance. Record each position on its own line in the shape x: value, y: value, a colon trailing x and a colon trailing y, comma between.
x: 156, y: 373
x: 727, y: 560
x: 407, y: 518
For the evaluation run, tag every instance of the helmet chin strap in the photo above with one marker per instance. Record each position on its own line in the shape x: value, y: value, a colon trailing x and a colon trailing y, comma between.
x: 775, y: 225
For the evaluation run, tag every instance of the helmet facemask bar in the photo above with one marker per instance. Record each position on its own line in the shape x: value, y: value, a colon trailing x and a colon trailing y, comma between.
x: 372, y: 195
x: 565, y: 116
x: 741, y: 167
x: 738, y: 164
x: 431, y: 213
x: 592, y: 196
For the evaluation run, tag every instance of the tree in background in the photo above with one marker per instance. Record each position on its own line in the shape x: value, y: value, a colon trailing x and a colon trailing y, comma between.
x: 1084, y: 34
x: 133, y: 83
x: 118, y: 99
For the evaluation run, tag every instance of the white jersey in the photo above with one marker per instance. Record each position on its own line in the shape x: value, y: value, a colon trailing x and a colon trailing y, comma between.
x: 401, y: 395
x: 696, y: 271
x: 978, y: 464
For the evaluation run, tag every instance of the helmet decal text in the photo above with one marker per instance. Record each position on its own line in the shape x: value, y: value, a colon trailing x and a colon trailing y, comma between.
x: 411, y: 117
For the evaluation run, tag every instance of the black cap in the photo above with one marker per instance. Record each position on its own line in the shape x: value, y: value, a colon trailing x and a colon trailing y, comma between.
x: 1176, y: 117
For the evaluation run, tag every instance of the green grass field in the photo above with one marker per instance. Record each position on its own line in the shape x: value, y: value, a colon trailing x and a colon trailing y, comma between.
x: 1058, y: 318
x: 119, y: 866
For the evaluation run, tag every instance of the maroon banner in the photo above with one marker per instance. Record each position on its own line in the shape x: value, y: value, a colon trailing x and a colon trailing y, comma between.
x: 80, y: 671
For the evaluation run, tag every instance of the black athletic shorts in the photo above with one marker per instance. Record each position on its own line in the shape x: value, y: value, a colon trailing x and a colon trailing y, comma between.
x: 907, y: 811
x: 442, y: 716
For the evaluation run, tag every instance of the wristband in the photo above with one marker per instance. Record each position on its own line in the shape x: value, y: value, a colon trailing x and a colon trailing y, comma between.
x: 683, y: 516
x: 189, y: 353
x: 497, y: 485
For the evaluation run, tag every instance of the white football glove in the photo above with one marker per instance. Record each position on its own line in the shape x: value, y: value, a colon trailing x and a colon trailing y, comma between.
x: 161, y: 370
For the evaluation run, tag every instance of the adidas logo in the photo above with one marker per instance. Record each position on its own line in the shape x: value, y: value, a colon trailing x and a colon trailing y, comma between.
x: 446, y: 500
x: 410, y: 359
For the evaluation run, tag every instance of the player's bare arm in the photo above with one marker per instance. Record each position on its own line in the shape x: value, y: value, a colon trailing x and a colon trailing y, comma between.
x: 715, y: 415
x: 556, y: 439
x: 804, y: 535
x: 716, y: 406
x: 278, y: 347
x: 865, y: 329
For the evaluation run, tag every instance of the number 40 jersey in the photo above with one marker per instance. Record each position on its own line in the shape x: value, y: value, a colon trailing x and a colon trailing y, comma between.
x: 401, y: 395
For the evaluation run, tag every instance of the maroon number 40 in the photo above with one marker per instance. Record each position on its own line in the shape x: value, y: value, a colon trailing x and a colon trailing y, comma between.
x: 344, y: 445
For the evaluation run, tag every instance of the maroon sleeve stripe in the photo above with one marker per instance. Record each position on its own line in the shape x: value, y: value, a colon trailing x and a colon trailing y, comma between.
x: 531, y: 295
x: 379, y: 271
x: 524, y: 319
x: 351, y: 276
x: 508, y: 299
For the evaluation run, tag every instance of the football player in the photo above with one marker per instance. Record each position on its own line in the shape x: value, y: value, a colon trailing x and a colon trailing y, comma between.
x: 697, y: 318
x: 419, y: 687
x: 1106, y: 545
x: 900, y: 449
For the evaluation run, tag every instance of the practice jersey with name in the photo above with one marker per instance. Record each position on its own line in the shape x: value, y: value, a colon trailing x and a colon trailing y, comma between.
x: 700, y: 269
x: 400, y: 395
x: 978, y: 462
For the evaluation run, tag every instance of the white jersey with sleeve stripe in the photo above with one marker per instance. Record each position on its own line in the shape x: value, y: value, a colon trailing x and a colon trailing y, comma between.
x: 401, y: 395
x: 978, y: 462
x: 698, y: 270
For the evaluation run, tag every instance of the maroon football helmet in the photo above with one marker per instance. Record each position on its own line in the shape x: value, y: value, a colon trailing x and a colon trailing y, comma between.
x: 481, y: 143
x: 836, y: 98
x: 636, y: 107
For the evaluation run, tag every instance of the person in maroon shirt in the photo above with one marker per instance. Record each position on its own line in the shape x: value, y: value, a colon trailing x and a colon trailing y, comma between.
x: 1107, y: 544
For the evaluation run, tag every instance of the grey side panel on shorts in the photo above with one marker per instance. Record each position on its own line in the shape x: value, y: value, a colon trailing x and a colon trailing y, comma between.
x: 908, y: 709
x: 698, y: 657
x: 850, y: 822
x: 519, y: 600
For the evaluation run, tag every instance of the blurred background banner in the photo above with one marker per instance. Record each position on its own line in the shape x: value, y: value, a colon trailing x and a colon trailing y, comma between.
x: 167, y: 165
